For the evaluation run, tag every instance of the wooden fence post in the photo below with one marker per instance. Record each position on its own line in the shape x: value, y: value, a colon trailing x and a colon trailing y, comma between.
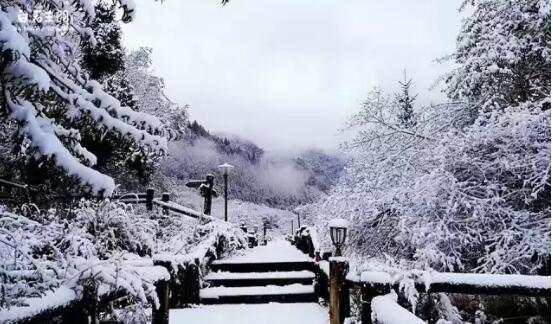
x: 339, y: 290
x: 90, y: 300
x: 321, y: 284
x: 367, y: 294
x: 149, y: 199
x: 192, y: 283
x: 208, y: 197
x: 310, y: 247
x: 160, y: 315
x: 165, y: 198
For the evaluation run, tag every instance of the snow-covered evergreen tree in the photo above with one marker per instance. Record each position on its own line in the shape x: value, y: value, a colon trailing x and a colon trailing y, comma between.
x: 149, y: 92
x: 504, y: 56
x: 130, y: 165
x: 405, y: 103
x: 468, y: 187
x: 45, y: 91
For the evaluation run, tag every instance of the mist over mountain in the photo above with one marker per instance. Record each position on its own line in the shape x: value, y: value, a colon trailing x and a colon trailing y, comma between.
x: 258, y: 176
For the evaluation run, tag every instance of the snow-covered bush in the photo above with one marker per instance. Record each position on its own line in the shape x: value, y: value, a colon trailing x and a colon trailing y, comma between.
x: 113, y: 228
x: 486, y: 205
x: 30, y: 261
x: 103, y: 246
x: 474, y: 200
x: 94, y: 241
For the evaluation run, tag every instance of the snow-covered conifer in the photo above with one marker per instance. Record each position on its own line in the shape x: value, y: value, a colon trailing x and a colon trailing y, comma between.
x: 45, y: 91
x: 405, y: 103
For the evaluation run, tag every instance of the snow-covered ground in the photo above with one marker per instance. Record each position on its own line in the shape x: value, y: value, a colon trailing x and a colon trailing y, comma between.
x: 239, y: 211
x: 278, y: 250
x: 299, y: 313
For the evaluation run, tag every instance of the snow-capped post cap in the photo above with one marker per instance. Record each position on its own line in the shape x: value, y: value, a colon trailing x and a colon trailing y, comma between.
x: 338, y: 232
x: 226, y: 168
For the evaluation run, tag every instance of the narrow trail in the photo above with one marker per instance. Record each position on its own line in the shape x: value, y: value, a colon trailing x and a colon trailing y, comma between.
x: 266, y: 284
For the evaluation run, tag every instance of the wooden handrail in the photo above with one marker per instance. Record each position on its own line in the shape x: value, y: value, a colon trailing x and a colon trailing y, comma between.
x: 373, y: 285
x: 463, y: 283
x: 307, y: 240
x: 177, y: 280
x: 176, y: 208
x: 63, y: 302
x: 386, y: 310
x: 18, y: 185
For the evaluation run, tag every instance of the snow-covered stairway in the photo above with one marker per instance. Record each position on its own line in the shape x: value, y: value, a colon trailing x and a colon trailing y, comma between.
x: 277, y: 272
x: 269, y: 284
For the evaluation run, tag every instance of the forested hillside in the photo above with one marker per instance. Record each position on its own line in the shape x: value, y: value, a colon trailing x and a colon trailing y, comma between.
x: 258, y: 176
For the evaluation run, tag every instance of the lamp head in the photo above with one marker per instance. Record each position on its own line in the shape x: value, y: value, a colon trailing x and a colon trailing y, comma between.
x: 338, y: 231
x: 226, y: 168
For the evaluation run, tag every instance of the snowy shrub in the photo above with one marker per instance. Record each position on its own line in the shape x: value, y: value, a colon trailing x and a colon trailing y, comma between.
x: 476, y: 200
x: 113, y: 227
x: 490, y: 194
x: 30, y: 261
x: 95, y: 242
x: 194, y: 238
x: 102, y: 246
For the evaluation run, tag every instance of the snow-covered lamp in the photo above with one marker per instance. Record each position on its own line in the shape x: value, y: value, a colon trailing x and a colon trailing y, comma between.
x: 338, y: 232
x: 226, y: 170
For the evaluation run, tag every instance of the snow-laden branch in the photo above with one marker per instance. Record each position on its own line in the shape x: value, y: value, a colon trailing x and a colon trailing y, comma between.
x: 53, y: 100
x: 40, y: 131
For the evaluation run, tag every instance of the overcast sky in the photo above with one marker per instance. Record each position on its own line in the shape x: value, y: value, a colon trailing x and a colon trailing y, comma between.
x: 287, y: 73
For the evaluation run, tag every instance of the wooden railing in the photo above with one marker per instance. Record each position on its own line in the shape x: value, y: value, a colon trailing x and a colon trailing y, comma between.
x: 63, y: 305
x: 377, y: 289
x: 147, y: 198
x: 176, y: 278
x: 307, y: 241
x: 373, y: 285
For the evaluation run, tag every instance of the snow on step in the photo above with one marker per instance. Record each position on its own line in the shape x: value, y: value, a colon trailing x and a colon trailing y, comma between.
x: 223, y: 275
x: 216, y: 292
x: 272, y: 313
x: 275, y: 251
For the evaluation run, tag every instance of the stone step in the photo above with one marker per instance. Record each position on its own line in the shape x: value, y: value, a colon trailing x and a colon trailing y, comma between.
x: 233, y: 266
x: 294, y: 293
x: 243, y: 279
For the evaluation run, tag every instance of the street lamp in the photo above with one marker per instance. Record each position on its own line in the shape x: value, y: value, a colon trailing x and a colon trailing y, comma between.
x: 226, y: 170
x: 338, y: 232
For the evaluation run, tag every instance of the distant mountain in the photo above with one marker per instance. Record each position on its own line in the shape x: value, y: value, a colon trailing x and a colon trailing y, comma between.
x: 258, y: 177
x: 234, y: 146
x: 323, y: 169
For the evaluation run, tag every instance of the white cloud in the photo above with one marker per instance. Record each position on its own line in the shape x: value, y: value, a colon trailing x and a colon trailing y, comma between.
x: 286, y: 73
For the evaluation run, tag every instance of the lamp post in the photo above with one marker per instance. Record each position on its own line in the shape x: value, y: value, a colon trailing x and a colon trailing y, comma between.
x: 226, y: 170
x: 338, y: 232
